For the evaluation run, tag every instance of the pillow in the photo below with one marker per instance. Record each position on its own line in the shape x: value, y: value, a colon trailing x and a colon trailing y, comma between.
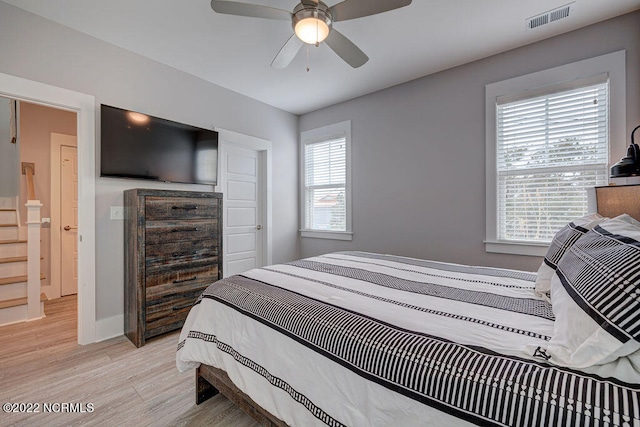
x: 596, y: 297
x: 629, y: 219
x: 561, y: 242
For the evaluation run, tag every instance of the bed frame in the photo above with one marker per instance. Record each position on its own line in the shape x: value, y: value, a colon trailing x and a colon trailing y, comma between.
x: 611, y: 201
x: 211, y: 381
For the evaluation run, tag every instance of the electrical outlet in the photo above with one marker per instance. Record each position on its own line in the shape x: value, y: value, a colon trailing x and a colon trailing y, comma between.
x: 117, y: 212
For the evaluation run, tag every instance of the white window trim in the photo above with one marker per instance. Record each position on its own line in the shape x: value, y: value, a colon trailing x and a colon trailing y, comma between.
x: 342, y: 129
x: 613, y: 64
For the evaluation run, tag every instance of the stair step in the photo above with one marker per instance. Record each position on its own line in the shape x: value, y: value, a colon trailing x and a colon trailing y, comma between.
x: 19, y: 301
x: 13, y: 259
x: 13, y: 248
x: 8, y: 232
x: 9, y: 242
x: 14, y: 266
x: 8, y: 216
x: 17, y: 279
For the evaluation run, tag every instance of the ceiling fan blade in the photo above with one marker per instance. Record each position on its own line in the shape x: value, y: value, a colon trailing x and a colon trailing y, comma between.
x: 351, y: 9
x: 345, y: 49
x: 251, y: 10
x: 287, y: 52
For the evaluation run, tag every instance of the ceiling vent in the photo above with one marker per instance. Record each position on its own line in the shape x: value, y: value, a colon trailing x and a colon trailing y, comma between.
x: 550, y: 16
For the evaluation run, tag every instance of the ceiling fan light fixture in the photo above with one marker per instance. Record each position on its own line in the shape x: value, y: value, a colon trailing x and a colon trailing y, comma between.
x: 312, y: 23
x: 311, y: 30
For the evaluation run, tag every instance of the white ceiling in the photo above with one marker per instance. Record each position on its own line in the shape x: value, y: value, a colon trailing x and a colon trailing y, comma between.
x: 235, y: 52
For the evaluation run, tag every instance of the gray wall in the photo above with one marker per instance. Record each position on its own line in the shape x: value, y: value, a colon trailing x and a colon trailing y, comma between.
x: 9, y: 153
x: 37, y: 49
x: 418, y: 165
x: 418, y: 148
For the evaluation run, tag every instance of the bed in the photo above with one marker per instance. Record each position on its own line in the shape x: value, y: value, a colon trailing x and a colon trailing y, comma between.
x: 358, y: 338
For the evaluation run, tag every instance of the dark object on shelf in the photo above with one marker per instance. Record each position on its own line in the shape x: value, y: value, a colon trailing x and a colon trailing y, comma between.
x: 630, y: 164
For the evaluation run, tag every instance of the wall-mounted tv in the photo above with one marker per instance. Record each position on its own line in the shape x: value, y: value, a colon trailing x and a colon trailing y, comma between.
x: 139, y: 146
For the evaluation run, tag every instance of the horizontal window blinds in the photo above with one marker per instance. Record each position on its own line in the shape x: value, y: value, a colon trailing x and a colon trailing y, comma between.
x: 325, y: 185
x: 550, y: 148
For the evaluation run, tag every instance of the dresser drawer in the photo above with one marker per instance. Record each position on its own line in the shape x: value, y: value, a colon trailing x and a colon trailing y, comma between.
x: 174, y: 231
x: 173, y: 292
x: 169, y: 312
x: 167, y: 305
x: 177, y: 254
x: 180, y: 207
x: 170, y: 322
x: 197, y: 272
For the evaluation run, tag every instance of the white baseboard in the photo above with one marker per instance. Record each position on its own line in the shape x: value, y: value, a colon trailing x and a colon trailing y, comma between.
x: 50, y: 292
x: 110, y: 327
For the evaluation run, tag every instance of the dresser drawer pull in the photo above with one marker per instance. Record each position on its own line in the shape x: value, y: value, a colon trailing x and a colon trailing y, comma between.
x: 179, y: 254
x: 186, y: 208
x: 177, y: 230
x: 185, y: 280
x: 181, y: 307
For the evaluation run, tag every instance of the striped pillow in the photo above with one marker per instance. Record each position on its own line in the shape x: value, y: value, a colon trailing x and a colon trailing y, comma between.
x: 596, y: 296
x: 561, y: 242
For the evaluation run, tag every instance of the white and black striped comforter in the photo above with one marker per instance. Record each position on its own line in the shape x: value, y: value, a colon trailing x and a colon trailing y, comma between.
x: 358, y: 339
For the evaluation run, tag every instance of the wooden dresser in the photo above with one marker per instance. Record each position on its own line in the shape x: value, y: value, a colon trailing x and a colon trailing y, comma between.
x: 173, y: 251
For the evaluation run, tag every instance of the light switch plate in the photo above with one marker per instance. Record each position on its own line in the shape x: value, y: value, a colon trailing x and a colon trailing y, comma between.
x: 117, y: 212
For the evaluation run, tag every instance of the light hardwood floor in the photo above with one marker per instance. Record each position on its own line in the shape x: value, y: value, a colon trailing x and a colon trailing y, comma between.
x: 40, y: 363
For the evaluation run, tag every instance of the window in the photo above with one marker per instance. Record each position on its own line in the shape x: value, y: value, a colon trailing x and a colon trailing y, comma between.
x: 549, y: 149
x: 326, y: 198
x: 550, y: 144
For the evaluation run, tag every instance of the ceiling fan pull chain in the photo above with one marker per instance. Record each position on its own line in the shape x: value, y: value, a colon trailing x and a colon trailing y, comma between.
x: 317, y: 24
x: 308, y: 59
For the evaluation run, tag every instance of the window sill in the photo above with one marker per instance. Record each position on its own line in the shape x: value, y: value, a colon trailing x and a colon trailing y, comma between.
x: 516, y: 248
x: 319, y: 234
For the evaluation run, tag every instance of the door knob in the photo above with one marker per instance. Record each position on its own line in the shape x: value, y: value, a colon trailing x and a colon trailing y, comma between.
x: 68, y: 227
x: 258, y: 227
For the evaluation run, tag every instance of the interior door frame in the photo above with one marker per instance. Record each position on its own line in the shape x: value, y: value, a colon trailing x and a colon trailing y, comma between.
x: 264, y: 149
x: 84, y: 107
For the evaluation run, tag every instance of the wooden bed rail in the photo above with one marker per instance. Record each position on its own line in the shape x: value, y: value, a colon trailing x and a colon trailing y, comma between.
x: 211, y: 381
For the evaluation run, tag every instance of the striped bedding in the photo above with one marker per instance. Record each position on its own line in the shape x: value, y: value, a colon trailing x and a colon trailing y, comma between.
x: 354, y: 338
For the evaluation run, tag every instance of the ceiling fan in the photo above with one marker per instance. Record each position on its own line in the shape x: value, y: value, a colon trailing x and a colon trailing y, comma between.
x: 312, y: 22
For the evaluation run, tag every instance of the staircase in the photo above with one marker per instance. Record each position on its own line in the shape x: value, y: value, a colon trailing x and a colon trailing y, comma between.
x: 13, y: 271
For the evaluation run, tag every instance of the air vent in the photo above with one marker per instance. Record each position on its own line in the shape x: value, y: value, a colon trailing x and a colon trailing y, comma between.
x: 550, y: 16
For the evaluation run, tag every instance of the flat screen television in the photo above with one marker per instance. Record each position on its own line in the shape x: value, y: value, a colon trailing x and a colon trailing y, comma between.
x: 139, y: 146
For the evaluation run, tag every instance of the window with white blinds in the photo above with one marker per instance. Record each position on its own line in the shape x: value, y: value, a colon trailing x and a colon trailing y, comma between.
x: 551, y: 146
x: 325, y: 199
x: 325, y: 179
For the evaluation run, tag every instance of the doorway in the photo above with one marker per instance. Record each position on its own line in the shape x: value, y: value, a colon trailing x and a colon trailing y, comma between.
x: 84, y: 107
x: 44, y: 131
x: 245, y: 174
x: 242, y: 203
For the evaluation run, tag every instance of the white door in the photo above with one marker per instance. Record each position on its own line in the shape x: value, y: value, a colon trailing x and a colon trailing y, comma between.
x: 69, y: 219
x: 242, y: 203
